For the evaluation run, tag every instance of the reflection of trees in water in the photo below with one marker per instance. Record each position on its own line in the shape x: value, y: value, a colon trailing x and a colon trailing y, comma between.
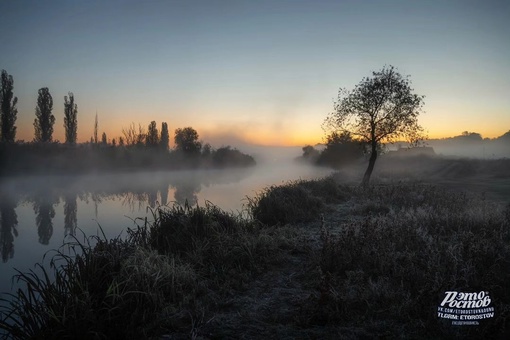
x: 140, y: 198
x: 152, y: 197
x: 133, y: 199
x: 163, y: 191
x: 45, y: 212
x: 134, y: 191
x: 97, y: 198
x: 9, y: 222
x: 187, y: 191
x: 70, y: 212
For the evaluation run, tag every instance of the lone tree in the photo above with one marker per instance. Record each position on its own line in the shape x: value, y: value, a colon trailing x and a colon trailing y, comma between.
x: 70, y: 119
x: 381, y: 108
x: 44, y: 119
x: 186, y: 141
x: 8, y: 108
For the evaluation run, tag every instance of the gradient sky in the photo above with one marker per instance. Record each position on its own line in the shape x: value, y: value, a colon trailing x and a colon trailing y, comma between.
x: 263, y: 72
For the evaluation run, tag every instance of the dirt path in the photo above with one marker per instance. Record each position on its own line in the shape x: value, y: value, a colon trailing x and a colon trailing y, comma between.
x: 274, y: 304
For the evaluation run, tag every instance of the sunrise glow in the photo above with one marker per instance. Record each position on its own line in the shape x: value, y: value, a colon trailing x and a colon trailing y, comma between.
x: 263, y: 73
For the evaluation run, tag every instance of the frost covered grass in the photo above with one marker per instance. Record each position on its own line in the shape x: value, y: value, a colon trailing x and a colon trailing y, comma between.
x: 295, y: 202
x: 389, y: 268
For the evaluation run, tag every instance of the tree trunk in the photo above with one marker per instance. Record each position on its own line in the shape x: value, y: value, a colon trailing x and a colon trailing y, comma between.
x: 371, y: 163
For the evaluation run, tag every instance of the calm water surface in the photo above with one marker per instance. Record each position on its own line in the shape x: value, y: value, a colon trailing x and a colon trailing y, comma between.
x: 38, y: 214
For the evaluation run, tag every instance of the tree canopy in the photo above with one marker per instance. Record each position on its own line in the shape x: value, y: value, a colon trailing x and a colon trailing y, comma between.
x: 186, y: 140
x: 381, y: 108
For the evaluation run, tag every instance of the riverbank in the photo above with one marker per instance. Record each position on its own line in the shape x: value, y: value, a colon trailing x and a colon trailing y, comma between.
x: 310, y: 259
x: 22, y: 159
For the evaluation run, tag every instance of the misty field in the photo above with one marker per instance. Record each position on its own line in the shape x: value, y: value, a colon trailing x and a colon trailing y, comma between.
x: 308, y: 259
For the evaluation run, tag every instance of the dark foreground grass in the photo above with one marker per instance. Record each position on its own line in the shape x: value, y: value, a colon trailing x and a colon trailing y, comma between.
x: 163, y: 278
x: 378, y: 267
x: 388, y: 269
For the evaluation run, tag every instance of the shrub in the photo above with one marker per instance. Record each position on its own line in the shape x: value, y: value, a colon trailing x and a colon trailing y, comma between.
x: 285, y: 204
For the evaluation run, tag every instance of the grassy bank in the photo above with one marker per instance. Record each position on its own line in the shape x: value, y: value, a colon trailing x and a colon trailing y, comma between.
x: 310, y: 259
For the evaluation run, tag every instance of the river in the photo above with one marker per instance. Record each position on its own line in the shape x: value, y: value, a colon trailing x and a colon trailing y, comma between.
x: 40, y: 213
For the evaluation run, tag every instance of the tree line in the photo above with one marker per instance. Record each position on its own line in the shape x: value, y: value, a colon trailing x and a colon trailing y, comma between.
x: 186, y: 139
x: 138, y: 147
x: 44, y: 118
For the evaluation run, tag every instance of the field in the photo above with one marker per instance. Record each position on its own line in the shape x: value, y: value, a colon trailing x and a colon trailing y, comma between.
x: 309, y: 259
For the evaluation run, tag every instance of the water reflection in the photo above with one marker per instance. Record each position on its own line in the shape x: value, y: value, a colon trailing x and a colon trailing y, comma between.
x: 163, y: 192
x: 9, y: 222
x: 54, y: 199
x: 70, y: 214
x: 187, y: 191
x: 45, y: 212
x: 61, y: 204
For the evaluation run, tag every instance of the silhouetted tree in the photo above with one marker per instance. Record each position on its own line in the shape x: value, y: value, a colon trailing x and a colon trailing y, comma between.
x: 310, y: 153
x: 470, y: 136
x: 121, y: 141
x: 165, y: 137
x: 70, y: 119
x: 340, y: 150
x: 380, y: 108
x: 207, y: 150
x: 70, y: 215
x: 8, y: 222
x: 132, y: 136
x: 141, y: 136
x: 226, y: 156
x: 96, y: 126
x: 152, y: 140
x: 114, y: 142
x: 44, y: 119
x: 186, y: 141
x: 104, y: 139
x: 8, y: 108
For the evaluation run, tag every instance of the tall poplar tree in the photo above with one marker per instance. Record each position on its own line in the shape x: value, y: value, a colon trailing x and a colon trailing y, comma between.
x: 8, y: 108
x: 70, y: 119
x: 165, y: 137
x: 152, y: 139
x: 96, y: 125
x: 44, y: 119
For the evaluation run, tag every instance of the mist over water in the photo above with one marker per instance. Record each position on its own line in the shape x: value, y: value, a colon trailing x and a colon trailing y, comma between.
x: 39, y: 213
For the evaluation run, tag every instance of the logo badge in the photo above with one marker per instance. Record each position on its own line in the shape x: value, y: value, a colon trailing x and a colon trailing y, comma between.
x: 465, y: 308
